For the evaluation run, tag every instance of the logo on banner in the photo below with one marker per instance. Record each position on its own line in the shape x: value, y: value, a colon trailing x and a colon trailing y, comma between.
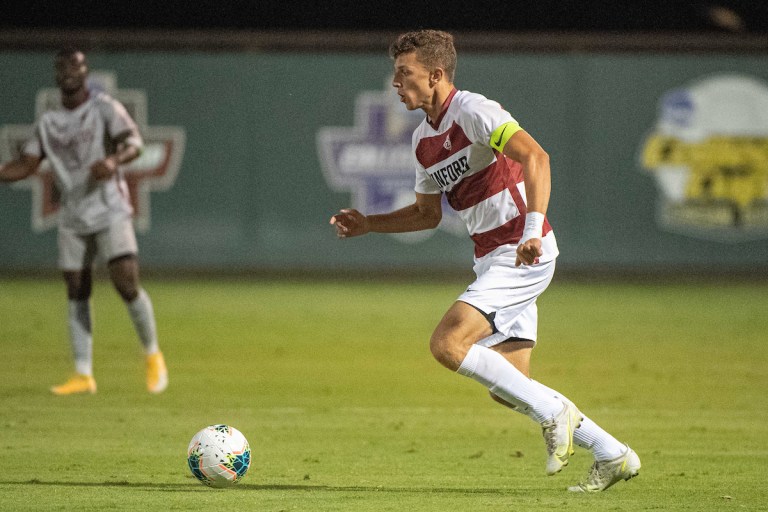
x: 709, y: 156
x: 374, y: 160
x: 154, y: 170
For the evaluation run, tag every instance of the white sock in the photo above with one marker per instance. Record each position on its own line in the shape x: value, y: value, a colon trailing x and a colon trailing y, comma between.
x: 493, y: 371
x: 143, y: 317
x: 80, y: 335
x: 589, y: 435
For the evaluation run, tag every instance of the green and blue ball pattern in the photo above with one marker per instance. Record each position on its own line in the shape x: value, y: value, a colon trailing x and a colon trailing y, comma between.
x: 219, y: 456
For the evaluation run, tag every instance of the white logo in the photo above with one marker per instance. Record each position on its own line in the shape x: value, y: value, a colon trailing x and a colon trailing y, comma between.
x: 447, y: 143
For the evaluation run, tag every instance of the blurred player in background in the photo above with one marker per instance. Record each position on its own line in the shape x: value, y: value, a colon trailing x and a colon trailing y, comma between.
x: 85, y: 143
x: 497, y: 177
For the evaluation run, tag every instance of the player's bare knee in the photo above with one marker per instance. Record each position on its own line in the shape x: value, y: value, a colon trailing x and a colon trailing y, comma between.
x: 128, y: 292
x: 447, y: 351
x: 76, y: 291
x: 127, y: 288
x: 79, y: 285
x: 125, y: 276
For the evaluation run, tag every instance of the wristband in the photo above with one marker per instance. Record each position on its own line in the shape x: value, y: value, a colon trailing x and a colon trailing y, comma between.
x: 534, y: 225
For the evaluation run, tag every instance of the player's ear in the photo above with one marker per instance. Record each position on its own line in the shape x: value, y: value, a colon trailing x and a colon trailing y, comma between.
x: 436, y: 75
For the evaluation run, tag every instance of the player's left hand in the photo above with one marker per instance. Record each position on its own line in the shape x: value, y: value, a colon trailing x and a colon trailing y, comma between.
x: 104, y: 169
x: 528, y: 252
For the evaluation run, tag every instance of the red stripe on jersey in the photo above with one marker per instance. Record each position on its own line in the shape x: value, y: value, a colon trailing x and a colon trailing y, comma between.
x: 432, y: 150
x: 501, y: 174
x: 509, y: 233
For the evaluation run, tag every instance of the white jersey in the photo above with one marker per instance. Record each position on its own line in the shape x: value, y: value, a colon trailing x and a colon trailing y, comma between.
x: 72, y: 140
x: 454, y: 156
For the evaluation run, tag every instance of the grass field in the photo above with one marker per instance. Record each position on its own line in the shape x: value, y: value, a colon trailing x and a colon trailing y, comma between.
x: 345, y: 410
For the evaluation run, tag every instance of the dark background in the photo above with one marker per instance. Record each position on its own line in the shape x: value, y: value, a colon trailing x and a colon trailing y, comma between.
x: 743, y: 16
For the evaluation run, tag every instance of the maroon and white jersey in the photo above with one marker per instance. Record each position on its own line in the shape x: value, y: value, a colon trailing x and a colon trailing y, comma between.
x: 72, y: 140
x: 454, y: 156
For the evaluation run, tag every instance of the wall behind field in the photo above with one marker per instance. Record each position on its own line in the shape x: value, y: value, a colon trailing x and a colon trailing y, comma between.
x: 253, y: 190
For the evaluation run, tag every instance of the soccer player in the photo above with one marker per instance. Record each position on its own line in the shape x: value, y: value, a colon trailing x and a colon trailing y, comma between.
x: 497, y: 177
x: 85, y: 143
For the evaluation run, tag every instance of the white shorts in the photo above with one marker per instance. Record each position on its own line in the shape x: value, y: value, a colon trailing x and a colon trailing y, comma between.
x: 77, y: 252
x: 507, y: 295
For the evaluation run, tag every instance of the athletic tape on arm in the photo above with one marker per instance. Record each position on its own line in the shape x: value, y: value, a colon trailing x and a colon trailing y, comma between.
x: 502, y: 134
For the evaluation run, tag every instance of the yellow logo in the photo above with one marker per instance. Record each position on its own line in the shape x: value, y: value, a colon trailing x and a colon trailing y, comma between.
x: 709, y: 156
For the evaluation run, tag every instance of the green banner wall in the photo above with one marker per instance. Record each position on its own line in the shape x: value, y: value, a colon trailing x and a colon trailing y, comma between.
x: 253, y: 190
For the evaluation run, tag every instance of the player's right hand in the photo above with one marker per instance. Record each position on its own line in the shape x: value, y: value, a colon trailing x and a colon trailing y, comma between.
x: 104, y: 169
x: 528, y: 252
x: 349, y: 222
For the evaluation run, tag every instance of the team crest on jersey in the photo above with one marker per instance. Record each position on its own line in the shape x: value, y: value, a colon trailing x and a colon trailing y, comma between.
x: 155, y: 170
x: 709, y: 156
x: 447, y: 143
x: 374, y: 159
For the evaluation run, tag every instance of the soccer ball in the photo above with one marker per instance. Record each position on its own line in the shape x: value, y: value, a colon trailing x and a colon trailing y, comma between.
x: 219, y: 456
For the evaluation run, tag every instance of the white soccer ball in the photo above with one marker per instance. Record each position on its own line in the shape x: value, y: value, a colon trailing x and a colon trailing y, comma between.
x: 219, y: 456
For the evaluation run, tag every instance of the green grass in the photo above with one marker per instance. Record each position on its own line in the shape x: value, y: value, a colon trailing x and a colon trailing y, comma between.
x: 345, y: 410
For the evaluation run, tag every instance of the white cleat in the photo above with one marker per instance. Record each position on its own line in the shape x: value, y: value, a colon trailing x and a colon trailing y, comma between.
x: 604, y: 474
x: 558, y: 434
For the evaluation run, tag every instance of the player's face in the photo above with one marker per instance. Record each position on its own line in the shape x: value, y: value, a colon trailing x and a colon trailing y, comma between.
x: 71, y: 72
x: 411, y: 80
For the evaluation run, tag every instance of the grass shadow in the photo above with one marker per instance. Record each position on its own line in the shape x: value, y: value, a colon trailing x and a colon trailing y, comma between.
x: 246, y: 487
